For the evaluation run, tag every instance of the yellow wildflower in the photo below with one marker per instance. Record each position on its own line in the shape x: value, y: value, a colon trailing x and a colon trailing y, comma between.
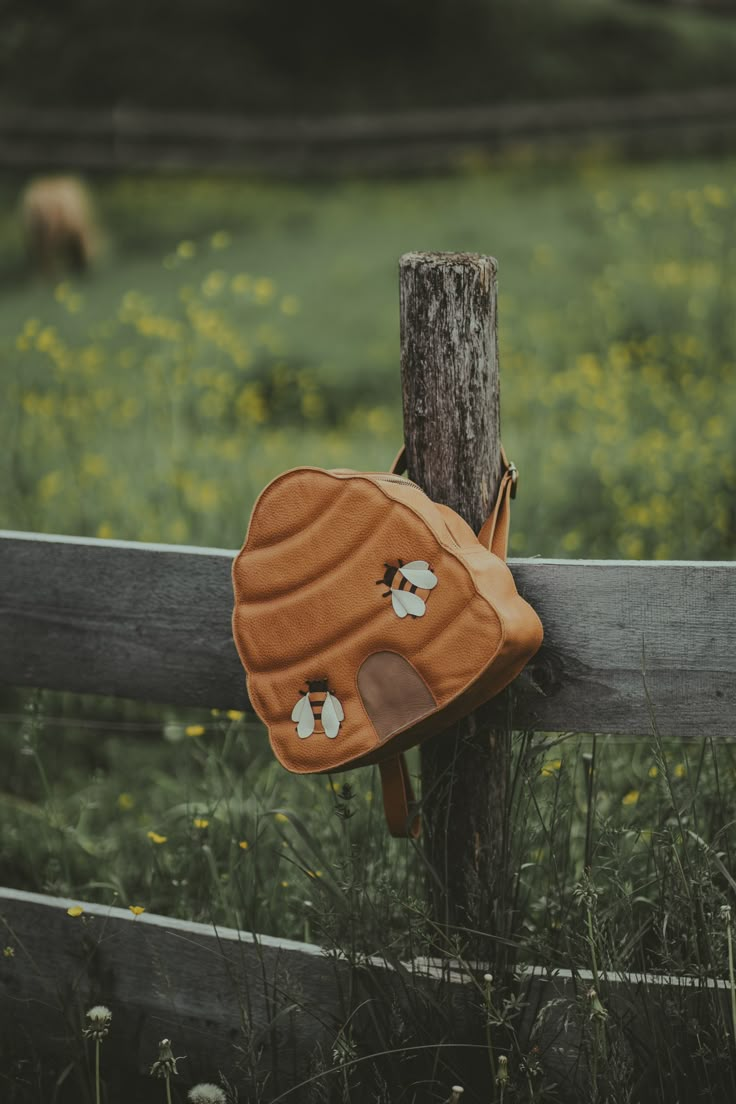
x: 154, y: 837
x: 234, y: 714
x: 9, y: 952
x: 284, y: 885
x: 49, y: 485
x: 264, y: 289
x: 653, y: 772
x: 630, y: 798
x: 186, y: 249
x: 104, y: 530
x: 194, y: 730
x: 550, y: 768
x: 136, y: 909
x: 282, y: 818
x: 290, y: 305
x: 241, y: 283
x: 680, y: 770
x: 94, y: 465
x: 75, y: 910
x: 243, y: 845
x: 220, y: 239
x: 213, y: 283
x: 201, y: 822
x: 125, y: 802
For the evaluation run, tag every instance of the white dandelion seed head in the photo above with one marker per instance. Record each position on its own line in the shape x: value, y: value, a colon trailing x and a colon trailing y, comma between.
x: 98, y: 1022
x: 206, y: 1094
x: 488, y: 978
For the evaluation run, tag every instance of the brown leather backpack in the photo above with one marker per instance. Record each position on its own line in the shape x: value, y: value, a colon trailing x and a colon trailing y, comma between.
x: 368, y: 618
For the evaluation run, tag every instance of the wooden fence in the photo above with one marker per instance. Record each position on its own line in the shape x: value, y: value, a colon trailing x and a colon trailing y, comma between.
x: 408, y: 141
x: 153, y: 623
x: 626, y: 644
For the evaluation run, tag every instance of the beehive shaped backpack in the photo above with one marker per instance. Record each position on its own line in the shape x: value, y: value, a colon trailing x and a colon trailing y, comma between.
x: 369, y: 617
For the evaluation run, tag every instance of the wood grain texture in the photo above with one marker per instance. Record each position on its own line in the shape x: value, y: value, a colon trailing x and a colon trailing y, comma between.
x: 452, y: 425
x: 153, y: 623
x: 129, y: 620
x: 449, y: 377
x: 255, y: 1009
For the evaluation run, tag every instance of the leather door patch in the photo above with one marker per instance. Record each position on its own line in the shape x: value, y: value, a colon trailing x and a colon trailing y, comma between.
x: 393, y: 694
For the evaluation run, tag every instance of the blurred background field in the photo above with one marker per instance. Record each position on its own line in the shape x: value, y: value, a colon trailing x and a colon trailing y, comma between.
x: 235, y: 328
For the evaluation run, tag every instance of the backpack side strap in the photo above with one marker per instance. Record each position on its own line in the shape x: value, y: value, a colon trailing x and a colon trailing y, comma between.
x: 399, y: 803
x: 494, y: 534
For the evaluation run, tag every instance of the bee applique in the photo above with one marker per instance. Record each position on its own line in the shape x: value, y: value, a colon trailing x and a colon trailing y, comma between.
x: 403, y: 582
x: 318, y: 705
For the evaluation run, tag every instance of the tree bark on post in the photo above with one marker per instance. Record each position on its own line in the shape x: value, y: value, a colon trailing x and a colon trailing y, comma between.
x: 449, y: 373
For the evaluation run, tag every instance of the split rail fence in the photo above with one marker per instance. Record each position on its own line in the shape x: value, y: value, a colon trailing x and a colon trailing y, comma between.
x: 623, y: 641
x: 408, y: 141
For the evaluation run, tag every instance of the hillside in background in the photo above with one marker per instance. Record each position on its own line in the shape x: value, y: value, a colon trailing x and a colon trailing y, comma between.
x: 281, y: 57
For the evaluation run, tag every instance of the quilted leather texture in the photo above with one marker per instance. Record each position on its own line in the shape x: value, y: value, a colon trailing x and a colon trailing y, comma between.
x: 313, y: 604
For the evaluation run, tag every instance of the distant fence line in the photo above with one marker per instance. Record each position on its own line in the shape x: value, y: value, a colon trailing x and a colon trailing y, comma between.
x: 138, y: 140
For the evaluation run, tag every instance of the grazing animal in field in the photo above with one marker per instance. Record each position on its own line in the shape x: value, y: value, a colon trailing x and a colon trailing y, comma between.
x: 59, y: 225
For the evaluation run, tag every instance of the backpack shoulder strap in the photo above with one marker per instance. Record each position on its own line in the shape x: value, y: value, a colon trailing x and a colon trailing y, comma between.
x: 494, y: 534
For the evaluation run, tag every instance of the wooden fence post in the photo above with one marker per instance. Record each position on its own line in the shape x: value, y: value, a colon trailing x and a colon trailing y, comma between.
x: 449, y: 372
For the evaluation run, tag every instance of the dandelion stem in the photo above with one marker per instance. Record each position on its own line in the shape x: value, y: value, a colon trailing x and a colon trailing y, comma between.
x: 594, y: 1071
x: 168, y: 1089
x: 593, y: 958
x: 488, y: 980
x: 729, y: 936
x: 97, y: 1071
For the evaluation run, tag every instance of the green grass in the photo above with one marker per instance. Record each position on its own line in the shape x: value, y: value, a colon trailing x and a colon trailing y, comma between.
x: 619, y: 861
x: 156, y: 400
x: 236, y: 328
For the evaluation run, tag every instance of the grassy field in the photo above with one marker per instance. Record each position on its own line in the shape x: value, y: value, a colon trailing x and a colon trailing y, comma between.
x: 233, y: 329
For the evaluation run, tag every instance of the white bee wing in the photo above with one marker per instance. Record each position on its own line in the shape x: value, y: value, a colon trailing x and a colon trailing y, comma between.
x: 405, y: 602
x: 302, y: 713
x: 398, y: 608
x: 418, y: 574
x: 338, y: 708
x: 330, y: 716
x: 297, y: 710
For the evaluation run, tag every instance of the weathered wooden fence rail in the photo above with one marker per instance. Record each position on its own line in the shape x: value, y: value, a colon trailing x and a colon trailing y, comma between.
x: 33, y: 138
x: 152, y: 622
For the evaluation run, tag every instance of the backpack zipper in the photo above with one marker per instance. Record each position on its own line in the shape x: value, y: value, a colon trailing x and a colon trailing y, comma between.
x: 398, y: 479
